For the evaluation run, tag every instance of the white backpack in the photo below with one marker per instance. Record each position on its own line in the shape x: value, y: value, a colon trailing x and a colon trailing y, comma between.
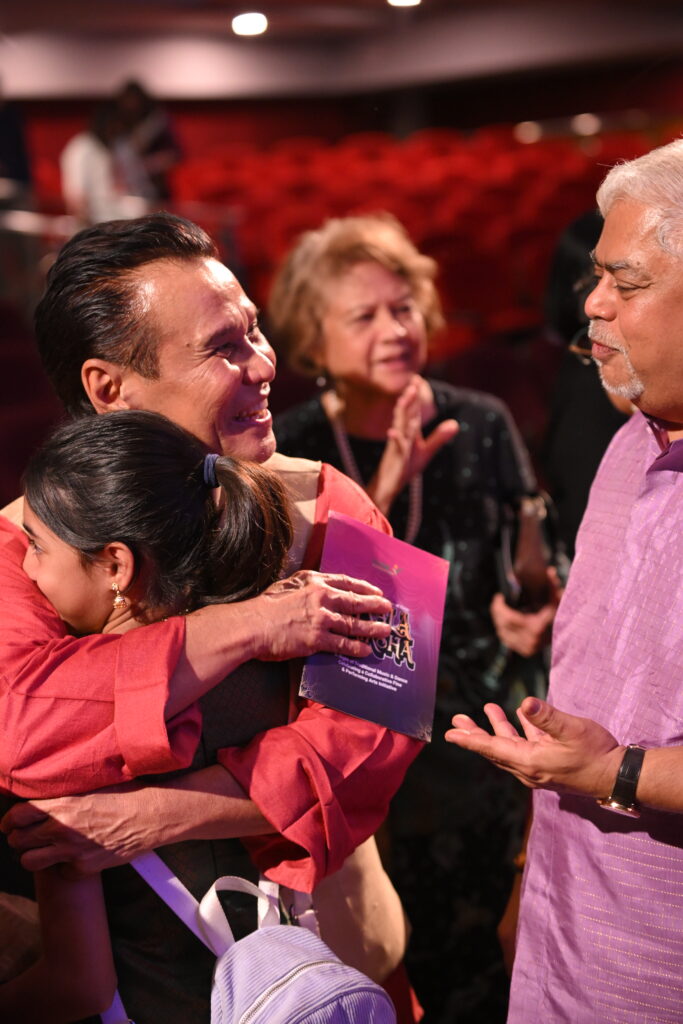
x: 278, y: 974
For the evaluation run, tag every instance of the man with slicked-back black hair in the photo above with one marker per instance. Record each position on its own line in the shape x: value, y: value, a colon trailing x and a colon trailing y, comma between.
x: 142, y: 315
x: 92, y: 307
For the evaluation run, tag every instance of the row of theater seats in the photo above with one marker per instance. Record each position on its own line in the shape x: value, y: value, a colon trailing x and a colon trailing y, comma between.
x: 486, y: 206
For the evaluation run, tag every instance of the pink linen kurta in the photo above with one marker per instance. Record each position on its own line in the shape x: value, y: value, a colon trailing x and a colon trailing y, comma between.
x: 601, y: 929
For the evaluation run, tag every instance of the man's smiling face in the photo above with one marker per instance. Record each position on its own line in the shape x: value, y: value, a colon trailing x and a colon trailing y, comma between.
x: 636, y: 312
x: 215, y: 366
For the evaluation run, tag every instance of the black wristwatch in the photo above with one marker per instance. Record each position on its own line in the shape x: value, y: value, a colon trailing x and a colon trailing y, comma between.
x: 622, y: 799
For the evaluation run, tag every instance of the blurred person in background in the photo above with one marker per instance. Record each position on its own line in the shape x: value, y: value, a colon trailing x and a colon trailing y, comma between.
x: 149, y: 135
x: 15, y: 170
x: 93, y: 182
x: 583, y: 418
x: 355, y: 305
x: 19, y: 253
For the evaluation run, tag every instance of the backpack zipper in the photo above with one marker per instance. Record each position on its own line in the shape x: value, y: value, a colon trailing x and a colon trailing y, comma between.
x: 274, y: 988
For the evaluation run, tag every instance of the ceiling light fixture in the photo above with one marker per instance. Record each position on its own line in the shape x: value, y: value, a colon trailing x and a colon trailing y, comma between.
x: 404, y: 3
x: 251, y: 24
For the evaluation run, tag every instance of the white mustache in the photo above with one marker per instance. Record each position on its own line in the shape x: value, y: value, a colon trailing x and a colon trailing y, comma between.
x: 598, y: 331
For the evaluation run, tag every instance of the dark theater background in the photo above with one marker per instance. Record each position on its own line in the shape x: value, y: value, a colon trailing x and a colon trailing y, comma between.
x: 484, y: 127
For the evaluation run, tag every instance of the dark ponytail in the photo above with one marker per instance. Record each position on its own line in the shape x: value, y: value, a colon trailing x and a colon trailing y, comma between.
x: 248, y: 547
x: 135, y: 477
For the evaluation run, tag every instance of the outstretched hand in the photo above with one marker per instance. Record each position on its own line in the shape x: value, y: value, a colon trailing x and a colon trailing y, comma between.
x: 558, y: 751
x: 406, y: 452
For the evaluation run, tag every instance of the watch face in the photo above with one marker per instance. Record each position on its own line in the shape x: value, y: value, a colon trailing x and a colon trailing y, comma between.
x: 630, y: 811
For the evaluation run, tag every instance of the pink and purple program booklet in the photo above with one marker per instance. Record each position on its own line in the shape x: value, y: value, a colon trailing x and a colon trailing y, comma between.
x: 394, y: 686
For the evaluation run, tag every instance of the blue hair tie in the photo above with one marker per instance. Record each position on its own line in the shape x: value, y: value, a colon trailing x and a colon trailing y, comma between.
x: 210, y: 478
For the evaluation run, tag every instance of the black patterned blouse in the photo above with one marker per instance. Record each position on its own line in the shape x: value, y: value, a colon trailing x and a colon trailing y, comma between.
x: 465, y: 486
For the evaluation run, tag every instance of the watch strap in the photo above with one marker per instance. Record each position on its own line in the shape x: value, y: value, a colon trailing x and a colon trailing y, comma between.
x: 623, y: 796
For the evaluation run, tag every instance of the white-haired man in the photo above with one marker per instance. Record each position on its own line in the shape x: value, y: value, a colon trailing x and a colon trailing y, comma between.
x: 601, y: 928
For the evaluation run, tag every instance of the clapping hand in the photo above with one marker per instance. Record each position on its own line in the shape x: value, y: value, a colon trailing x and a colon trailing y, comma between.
x: 406, y: 452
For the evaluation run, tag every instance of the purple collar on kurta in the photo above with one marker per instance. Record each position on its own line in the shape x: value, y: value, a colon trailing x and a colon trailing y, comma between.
x: 670, y: 452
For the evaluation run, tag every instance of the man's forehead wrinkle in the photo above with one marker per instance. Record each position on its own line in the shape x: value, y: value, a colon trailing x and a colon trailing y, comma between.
x: 247, y: 305
x: 234, y: 314
x: 632, y: 265
x: 231, y: 315
x: 194, y: 302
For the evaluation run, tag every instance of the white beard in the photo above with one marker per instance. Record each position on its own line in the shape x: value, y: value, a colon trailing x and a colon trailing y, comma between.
x: 633, y: 387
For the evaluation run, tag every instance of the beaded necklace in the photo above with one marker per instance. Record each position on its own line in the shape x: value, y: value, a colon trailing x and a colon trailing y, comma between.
x: 332, y: 411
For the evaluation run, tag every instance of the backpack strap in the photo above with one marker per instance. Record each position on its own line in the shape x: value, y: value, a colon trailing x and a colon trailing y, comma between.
x: 206, y: 920
x: 170, y: 889
x: 300, y: 909
x: 213, y: 922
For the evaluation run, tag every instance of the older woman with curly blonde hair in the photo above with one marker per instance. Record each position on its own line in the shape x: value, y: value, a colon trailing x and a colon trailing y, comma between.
x: 376, y: 394
x: 355, y: 305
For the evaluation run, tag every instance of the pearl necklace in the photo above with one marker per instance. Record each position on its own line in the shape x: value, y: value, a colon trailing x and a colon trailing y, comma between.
x: 351, y: 469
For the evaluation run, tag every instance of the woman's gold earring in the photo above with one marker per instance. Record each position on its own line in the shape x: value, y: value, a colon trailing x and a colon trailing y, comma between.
x: 119, y: 599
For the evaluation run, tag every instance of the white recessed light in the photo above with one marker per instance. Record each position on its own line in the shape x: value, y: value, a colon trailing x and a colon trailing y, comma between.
x: 404, y: 3
x: 251, y: 24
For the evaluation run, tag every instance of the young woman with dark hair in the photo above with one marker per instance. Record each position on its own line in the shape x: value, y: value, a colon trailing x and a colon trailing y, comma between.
x: 128, y: 522
x: 134, y: 497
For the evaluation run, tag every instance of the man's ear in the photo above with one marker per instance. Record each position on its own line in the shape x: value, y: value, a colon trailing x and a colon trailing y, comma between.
x: 102, y: 382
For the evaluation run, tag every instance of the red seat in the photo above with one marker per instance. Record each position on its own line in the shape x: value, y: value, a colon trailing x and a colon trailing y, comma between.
x: 47, y: 181
x: 366, y: 146
x: 432, y: 142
